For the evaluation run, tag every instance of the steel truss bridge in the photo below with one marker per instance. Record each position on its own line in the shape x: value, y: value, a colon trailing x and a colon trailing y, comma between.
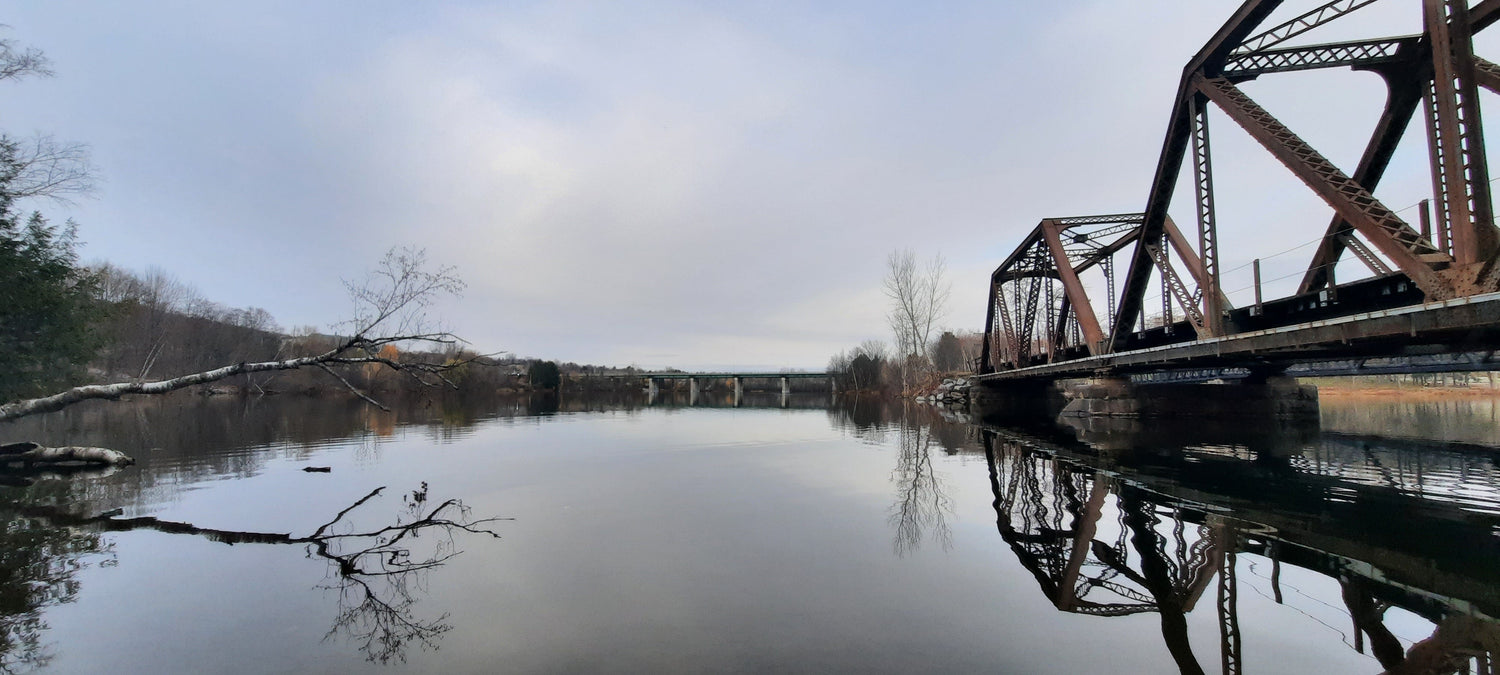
x: 1431, y: 302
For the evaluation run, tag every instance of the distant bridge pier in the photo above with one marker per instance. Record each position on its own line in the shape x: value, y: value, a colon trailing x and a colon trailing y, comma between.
x: 652, y: 388
x: 739, y: 390
x: 786, y: 387
x: 693, y: 391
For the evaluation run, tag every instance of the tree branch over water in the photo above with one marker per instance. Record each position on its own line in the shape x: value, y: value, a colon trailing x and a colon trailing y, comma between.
x: 390, y: 309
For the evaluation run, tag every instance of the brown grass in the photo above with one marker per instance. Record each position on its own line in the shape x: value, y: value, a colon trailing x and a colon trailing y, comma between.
x: 1346, y: 391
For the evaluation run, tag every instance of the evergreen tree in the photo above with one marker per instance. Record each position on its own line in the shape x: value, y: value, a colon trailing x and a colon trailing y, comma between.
x: 47, y: 304
x: 544, y: 375
x: 948, y: 353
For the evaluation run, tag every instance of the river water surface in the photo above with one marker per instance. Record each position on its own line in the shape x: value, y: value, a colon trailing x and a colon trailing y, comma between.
x: 801, y: 535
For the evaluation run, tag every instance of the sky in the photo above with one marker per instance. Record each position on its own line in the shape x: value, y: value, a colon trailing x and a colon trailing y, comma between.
x: 701, y: 185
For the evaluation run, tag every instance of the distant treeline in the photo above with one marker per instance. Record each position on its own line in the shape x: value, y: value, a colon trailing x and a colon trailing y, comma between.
x: 151, y: 325
x: 873, y: 366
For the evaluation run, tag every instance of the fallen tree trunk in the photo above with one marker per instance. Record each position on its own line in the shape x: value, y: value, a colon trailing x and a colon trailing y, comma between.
x: 31, y: 454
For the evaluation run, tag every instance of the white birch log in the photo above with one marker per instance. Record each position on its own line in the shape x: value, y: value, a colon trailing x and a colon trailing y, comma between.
x: 33, y: 454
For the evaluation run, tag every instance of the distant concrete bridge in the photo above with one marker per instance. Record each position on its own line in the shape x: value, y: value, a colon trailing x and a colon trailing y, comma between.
x: 653, y: 380
x: 693, y: 378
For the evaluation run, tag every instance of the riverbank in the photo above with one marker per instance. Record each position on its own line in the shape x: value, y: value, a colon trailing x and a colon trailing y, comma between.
x: 1332, y: 388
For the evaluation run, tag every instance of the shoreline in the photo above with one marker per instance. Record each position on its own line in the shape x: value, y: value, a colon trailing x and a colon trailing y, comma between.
x: 1348, y: 391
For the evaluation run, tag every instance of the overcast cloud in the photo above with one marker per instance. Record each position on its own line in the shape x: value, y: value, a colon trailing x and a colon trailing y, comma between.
x: 689, y: 184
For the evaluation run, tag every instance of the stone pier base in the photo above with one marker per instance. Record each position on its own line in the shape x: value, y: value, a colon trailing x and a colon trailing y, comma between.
x: 1281, y: 397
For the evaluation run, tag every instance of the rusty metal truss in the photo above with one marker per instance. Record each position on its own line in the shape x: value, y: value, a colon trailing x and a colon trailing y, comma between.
x: 1454, y: 255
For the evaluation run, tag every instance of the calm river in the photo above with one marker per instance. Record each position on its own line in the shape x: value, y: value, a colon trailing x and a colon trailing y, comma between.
x: 805, y: 535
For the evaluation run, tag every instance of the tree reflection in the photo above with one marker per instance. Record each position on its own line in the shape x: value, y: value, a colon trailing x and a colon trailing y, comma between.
x: 38, y: 563
x: 922, y: 506
x: 378, y: 573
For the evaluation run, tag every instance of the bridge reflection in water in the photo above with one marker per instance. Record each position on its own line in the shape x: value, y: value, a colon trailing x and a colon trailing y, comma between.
x: 1110, y: 530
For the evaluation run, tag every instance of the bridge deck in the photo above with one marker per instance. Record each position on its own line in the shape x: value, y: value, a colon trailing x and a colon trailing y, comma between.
x: 1463, y: 324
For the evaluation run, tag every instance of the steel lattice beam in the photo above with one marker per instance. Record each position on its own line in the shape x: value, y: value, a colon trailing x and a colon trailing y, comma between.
x: 1360, y: 54
x: 1487, y: 74
x: 1301, y: 24
x: 1208, y: 238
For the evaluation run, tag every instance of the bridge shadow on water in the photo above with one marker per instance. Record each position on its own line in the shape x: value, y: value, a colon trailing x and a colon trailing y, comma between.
x: 1115, y: 518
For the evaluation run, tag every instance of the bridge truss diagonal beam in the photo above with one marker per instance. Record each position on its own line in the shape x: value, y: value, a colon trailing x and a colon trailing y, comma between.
x: 1403, y: 96
x: 1077, y: 298
x: 1487, y: 74
x: 1395, y: 239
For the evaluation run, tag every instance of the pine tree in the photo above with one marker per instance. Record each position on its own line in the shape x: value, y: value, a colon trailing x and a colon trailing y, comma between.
x: 47, y: 305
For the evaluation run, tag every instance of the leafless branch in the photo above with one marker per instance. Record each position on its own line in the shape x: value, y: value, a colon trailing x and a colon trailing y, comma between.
x: 49, y: 168
x: 388, y: 312
x: 351, y: 387
x: 17, y: 62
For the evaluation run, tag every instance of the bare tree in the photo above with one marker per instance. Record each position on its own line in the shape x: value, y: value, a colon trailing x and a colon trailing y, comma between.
x: 919, y: 298
x: 875, y: 349
x: 17, y: 62
x: 46, y: 167
x: 390, y: 309
x: 41, y: 166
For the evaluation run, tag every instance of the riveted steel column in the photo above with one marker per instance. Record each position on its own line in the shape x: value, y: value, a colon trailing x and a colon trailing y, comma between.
x: 1208, y: 236
x: 1460, y: 169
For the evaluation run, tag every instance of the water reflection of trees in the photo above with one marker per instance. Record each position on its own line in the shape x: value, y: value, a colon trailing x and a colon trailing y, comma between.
x: 922, y: 506
x: 38, y: 567
x: 376, y: 571
x: 182, y: 439
x: 1104, y: 546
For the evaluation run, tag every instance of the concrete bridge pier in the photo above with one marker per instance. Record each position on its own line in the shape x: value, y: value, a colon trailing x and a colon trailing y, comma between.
x: 1023, y: 400
x: 739, y: 390
x: 786, y: 387
x: 693, y: 391
x: 1115, y: 396
x: 652, y: 388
